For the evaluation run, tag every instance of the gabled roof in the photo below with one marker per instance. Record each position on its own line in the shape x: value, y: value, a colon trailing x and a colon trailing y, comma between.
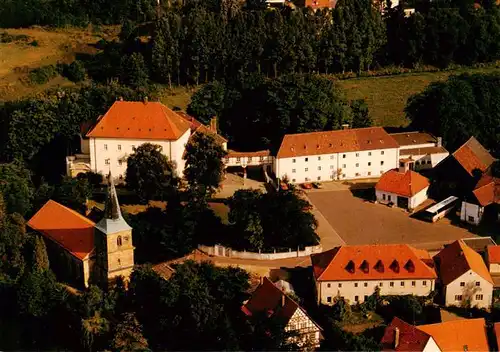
x: 413, y: 138
x: 423, y: 151
x: 140, y: 120
x: 350, y: 140
x: 372, y: 262
x: 459, y: 335
x: 410, y: 337
x: 472, y: 155
x: 269, y: 299
x: 493, y: 254
x: 66, y: 227
x: 456, y: 259
x: 487, y: 190
x: 204, y: 129
x: 404, y: 184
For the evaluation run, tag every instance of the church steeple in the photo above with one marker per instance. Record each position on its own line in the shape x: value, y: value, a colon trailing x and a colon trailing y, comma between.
x: 112, y: 221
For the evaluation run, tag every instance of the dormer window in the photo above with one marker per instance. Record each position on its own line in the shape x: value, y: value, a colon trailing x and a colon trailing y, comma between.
x: 410, y: 266
x: 395, y: 266
x: 365, y: 267
x: 379, y: 266
x: 350, y: 266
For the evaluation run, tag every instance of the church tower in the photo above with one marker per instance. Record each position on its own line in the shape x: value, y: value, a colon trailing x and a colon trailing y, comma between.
x: 114, y: 252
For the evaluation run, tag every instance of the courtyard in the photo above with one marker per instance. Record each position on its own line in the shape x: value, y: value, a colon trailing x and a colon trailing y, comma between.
x: 358, y: 221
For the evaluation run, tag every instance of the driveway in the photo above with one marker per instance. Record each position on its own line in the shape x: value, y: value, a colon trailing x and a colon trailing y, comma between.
x: 360, y: 222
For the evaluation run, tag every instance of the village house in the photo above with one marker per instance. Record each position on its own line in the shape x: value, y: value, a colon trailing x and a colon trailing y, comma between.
x: 463, y: 276
x: 270, y: 300
x: 451, y: 336
x: 484, y: 200
x: 354, y: 272
x: 82, y: 252
x: 423, y: 149
x: 404, y: 187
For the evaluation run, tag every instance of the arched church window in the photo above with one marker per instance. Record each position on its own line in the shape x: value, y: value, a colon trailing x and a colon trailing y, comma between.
x: 119, y: 241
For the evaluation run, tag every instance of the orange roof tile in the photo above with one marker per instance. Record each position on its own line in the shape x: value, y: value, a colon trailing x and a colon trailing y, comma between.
x: 410, y: 337
x: 493, y: 254
x: 456, y: 259
x: 487, y: 190
x: 234, y: 154
x: 404, y: 184
x: 372, y: 262
x: 193, y: 123
x: 496, y: 328
x: 66, y: 227
x: 459, y: 335
x: 413, y: 138
x: 317, y: 143
x: 140, y: 120
x: 472, y: 155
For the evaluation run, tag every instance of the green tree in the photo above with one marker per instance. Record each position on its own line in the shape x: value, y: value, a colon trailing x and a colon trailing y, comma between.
x: 209, y: 102
x: 128, y: 335
x: 360, y: 114
x: 134, y: 71
x: 12, y: 239
x: 245, y: 216
x: 16, y: 187
x: 204, y: 165
x: 36, y: 252
x: 73, y: 192
x: 150, y: 174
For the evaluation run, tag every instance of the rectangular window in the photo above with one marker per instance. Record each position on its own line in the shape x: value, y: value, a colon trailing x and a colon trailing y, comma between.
x: 328, y: 285
x: 319, y: 168
x: 306, y: 169
x: 344, y: 166
x: 381, y: 284
x: 105, y: 147
x: 402, y: 284
x: 479, y: 297
x: 331, y: 156
x: 369, y: 153
x: 238, y: 159
x: 382, y: 162
x: 331, y: 167
x: 424, y: 283
x: 106, y: 161
x: 366, y: 284
x: 413, y: 284
x: 306, y: 159
x: 343, y: 175
x: 366, y: 298
x: 356, y: 298
x: 340, y: 284
x: 293, y: 171
x: 343, y: 156
x: 331, y: 177
x: 249, y: 159
x: 357, y: 154
x: 357, y: 165
x: 458, y: 297
x: 369, y: 173
x: 319, y: 178
x: 471, y: 218
x: 329, y: 299
x: 391, y: 283
x: 319, y: 158
x: 369, y: 163
x: 133, y: 147
x: 478, y: 283
x: 119, y: 147
x: 428, y: 161
x: 383, y: 196
x: 382, y: 152
x: 120, y: 162
x: 462, y: 284
x: 261, y: 158
x: 389, y: 197
x: 293, y: 160
x: 355, y: 284
x: 293, y: 180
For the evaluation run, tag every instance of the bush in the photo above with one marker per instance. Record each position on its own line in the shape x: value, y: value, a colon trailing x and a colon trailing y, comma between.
x: 34, y: 43
x: 43, y: 74
x: 75, y: 71
x: 9, y: 38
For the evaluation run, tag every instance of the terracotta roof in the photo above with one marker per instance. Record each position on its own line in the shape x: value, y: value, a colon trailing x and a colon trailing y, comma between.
x: 204, y: 129
x: 164, y: 270
x: 404, y: 184
x: 493, y: 254
x: 459, y: 335
x: 193, y: 123
x: 413, y: 138
x: 69, y: 229
x: 472, y: 155
x: 317, y: 143
x: 410, y: 337
x: 496, y: 329
x: 487, y: 190
x: 423, y: 151
x: 270, y: 299
x: 372, y: 262
x: 140, y: 120
x: 235, y: 154
x: 456, y: 259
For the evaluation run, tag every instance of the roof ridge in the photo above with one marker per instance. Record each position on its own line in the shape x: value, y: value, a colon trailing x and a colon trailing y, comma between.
x: 90, y: 222
x: 336, y: 251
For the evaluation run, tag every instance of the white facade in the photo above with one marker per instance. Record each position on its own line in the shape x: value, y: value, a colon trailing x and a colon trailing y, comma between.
x: 469, y: 286
x: 494, y: 268
x: 431, y: 346
x: 110, y: 154
x: 471, y: 213
x: 358, y: 291
x: 308, y: 333
x: 337, y: 166
x: 413, y: 202
x: 424, y: 161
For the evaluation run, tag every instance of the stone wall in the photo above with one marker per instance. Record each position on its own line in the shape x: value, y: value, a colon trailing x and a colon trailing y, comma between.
x: 221, y: 251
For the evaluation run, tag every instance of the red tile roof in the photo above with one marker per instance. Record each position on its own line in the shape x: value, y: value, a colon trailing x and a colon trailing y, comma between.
x: 456, y: 259
x: 459, y: 335
x: 472, y: 155
x: 372, y: 262
x: 496, y: 328
x: 493, y: 254
x: 413, y: 138
x: 410, y: 337
x: 235, y: 154
x: 317, y: 143
x: 487, y: 190
x: 193, y: 123
x: 268, y: 298
x: 66, y: 227
x: 404, y: 184
x: 140, y: 120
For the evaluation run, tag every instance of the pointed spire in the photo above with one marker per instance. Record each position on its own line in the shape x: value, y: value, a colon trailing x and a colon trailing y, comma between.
x: 112, y: 208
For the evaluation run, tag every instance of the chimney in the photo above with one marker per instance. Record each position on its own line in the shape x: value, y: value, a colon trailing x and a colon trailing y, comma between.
x: 439, y: 142
x: 404, y: 166
x: 396, y: 337
x: 345, y: 126
x: 213, y: 124
x: 145, y: 100
x: 283, y: 300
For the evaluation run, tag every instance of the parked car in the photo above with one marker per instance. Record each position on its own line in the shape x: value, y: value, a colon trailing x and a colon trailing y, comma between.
x: 317, y: 185
x: 306, y: 186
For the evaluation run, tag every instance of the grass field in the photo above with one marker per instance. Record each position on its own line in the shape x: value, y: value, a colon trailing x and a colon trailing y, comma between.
x: 53, y: 46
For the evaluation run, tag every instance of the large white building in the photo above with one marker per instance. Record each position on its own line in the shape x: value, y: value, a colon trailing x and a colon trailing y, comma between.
x: 354, y: 272
x: 423, y: 149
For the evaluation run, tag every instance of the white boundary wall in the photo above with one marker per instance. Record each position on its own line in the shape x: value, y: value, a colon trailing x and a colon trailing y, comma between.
x: 221, y: 251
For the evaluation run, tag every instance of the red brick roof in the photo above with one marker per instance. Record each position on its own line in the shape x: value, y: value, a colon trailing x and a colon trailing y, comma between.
x: 372, y: 262
x: 493, y: 254
x: 268, y: 298
x: 66, y: 227
x: 487, y: 190
x: 472, y: 155
x: 410, y: 337
x: 317, y: 143
x: 459, y: 335
x: 404, y: 184
x: 140, y: 120
x: 456, y: 259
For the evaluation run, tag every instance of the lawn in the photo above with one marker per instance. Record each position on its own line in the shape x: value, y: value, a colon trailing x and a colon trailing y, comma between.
x: 50, y: 47
x: 176, y: 97
x: 386, y: 96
